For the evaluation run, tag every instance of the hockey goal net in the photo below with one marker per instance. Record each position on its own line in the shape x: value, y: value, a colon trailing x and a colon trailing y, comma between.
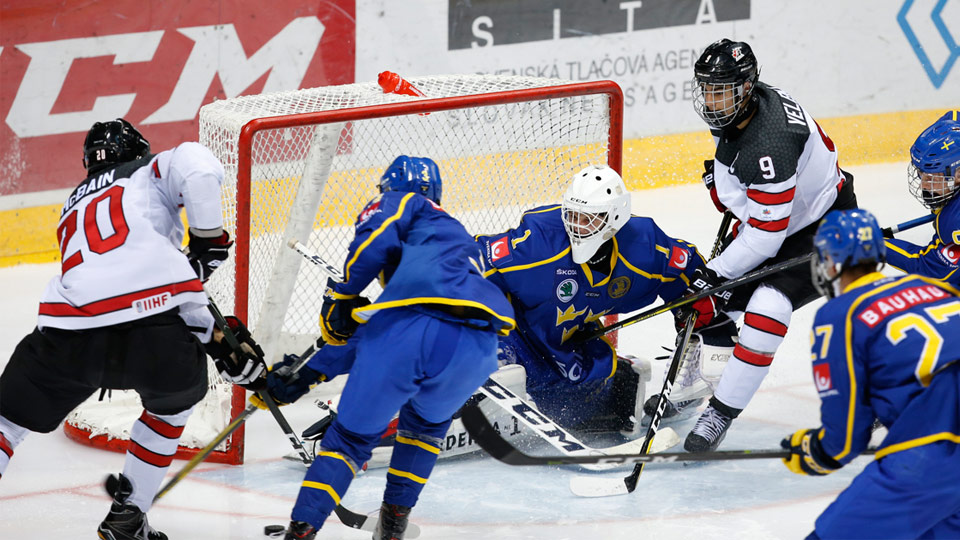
x: 302, y: 164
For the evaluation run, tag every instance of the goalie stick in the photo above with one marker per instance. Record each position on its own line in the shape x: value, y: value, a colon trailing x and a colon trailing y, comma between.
x: 552, y: 433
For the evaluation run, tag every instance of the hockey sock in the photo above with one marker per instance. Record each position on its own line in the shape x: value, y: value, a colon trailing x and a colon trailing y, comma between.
x: 153, y: 442
x: 414, y: 454
x: 10, y: 436
x: 764, y: 327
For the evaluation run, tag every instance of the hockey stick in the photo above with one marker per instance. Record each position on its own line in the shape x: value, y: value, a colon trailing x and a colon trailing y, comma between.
x: 558, y: 437
x: 890, y: 231
x: 227, y: 431
x: 602, y: 487
x: 679, y: 302
x: 347, y: 517
x: 315, y: 258
x: 494, y: 444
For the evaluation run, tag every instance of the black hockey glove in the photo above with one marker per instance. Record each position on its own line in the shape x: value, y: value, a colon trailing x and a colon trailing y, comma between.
x: 807, y: 455
x: 711, y: 186
x: 244, y: 367
x: 336, y: 322
x: 207, y: 254
x: 706, y: 308
x: 286, y: 386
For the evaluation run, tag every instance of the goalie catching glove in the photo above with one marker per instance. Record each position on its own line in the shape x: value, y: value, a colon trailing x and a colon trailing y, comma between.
x: 807, y: 455
x: 706, y: 308
x: 285, y: 385
x: 244, y: 367
x: 336, y: 321
x: 207, y: 254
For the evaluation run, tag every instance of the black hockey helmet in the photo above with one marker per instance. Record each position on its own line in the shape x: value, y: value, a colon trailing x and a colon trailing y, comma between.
x: 109, y: 143
x: 721, y: 95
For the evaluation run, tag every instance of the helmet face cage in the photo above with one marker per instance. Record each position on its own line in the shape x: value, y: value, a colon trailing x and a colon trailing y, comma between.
x: 413, y: 175
x: 719, y: 104
x: 844, y: 238
x: 595, y: 206
x: 581, y: 225
x: 109, y: 143
x: 933, y: 190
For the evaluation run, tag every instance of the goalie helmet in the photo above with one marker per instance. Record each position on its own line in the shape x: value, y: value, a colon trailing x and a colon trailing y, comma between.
x: 109, y: 143
x: 933, y: 175
x: 595, y: 207
x: 413, y: 175
x: 845, y: 238
x: 724, y: 77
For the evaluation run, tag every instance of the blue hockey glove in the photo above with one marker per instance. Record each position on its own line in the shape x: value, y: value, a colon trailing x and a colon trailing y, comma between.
x: 706, y: 308
x: 807, y: 455
x: 336, y: 322
x: 207, y: 254
x: 285, y: 386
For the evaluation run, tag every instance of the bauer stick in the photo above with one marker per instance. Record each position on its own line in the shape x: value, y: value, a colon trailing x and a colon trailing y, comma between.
x: 890, y: 231
x: 601, y: 487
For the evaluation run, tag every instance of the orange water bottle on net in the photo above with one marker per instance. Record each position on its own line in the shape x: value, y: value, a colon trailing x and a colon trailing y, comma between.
x: 395, y: 84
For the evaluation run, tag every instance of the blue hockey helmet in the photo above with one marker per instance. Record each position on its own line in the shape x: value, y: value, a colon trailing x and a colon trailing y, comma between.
x: 934, y: 171
x: 845, y: 238
x: 413, y: 175
x: 109, y: 143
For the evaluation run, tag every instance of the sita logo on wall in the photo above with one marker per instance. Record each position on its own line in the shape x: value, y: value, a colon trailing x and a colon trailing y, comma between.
x: 928, y: 41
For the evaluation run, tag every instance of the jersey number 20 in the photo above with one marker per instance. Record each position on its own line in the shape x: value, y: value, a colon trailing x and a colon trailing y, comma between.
x: 97, y: 242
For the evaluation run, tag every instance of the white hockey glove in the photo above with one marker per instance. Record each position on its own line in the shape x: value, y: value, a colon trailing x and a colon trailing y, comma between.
x: 244, y: 367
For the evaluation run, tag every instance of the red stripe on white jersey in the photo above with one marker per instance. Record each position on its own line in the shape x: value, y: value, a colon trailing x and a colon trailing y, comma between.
x: 770, y: 226
x: 149, y: 457
x: 117, y: 303
x: 5, y: 446
x: 770, y: 199
x: 766, y: 324
x: 160, y: 427
x: 752, y: 358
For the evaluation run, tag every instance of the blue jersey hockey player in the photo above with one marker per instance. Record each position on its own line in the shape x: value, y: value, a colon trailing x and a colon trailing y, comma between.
x: 565, y: 266
x: 425, y: 345
x: 934, y: 179
x: 884, y: 348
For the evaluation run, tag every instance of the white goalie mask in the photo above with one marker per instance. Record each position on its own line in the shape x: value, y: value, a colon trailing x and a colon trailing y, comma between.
x: 595, y: 207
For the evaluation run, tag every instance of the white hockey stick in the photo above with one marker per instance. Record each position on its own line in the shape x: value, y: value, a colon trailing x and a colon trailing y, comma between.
x: 560, y: 438
x: 315, y: 258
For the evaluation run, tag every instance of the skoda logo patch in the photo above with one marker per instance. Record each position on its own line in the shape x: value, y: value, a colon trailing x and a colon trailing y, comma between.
x: 567, y: 289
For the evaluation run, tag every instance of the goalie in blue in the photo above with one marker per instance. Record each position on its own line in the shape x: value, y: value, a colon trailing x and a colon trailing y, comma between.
x: 934, y: 179
x: 884, y: 348
x: 564, y: 267
x: 426, y: 344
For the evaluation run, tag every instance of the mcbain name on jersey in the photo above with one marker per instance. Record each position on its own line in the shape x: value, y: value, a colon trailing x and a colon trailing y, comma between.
x: 95, y: 183
x: 900, y: 301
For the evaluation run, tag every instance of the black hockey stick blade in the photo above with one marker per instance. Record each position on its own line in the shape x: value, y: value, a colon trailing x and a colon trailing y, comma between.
x: 490, y: 440
x: 369, y: 522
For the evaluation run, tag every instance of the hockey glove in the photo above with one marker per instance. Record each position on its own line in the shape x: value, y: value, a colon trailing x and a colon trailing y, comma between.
x: 286, y: 386
x: 711, y: 186
x: 207, y: 254
x: 706, y: 308
x: 244, y: 367
x: 336, y: 322
x: 807, y: 455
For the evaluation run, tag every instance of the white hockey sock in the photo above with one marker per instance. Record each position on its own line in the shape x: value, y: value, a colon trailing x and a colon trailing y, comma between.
x: 153, y: 442
x: 765, y: 324
x: 10, y: 436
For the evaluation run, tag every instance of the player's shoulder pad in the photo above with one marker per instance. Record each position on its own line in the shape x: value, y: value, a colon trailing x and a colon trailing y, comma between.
x: 948, y: 222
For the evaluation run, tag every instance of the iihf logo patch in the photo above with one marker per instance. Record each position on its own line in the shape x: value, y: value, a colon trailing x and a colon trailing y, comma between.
x: 821, y: 377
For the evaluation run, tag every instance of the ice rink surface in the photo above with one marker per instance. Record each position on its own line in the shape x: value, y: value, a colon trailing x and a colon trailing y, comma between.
x: 53, y: 486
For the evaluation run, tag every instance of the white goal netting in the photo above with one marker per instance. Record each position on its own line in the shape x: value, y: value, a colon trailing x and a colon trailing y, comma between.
x: 301, y: 165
